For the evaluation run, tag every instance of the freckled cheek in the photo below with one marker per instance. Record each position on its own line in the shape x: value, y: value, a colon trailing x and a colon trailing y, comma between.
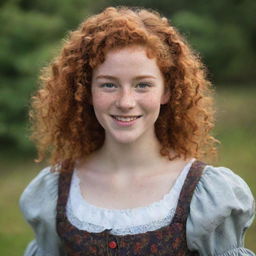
x: 151, y: 103
x: 102, y: 102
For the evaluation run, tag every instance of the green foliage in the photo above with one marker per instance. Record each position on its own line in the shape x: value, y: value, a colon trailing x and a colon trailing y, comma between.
x: 225, y: 48
x: 31, y: 33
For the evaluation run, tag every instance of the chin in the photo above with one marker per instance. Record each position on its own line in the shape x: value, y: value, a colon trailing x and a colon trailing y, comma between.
x: 124, y: 139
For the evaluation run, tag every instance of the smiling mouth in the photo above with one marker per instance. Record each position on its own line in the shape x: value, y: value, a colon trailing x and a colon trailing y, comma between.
x: 125, y: 118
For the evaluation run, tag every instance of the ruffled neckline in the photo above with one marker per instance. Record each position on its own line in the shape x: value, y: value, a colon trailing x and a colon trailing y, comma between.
x: 87, y: 212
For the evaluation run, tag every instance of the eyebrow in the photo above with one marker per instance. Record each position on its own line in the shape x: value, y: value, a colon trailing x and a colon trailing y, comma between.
x: 115, y: 78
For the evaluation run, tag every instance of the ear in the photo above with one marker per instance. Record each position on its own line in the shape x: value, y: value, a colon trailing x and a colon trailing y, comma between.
x: 165, y: 97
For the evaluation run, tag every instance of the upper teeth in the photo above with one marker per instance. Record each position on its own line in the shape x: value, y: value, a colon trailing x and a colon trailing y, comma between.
x: 127, y: 119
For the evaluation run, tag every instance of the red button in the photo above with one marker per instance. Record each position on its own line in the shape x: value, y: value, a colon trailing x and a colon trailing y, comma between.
x: 112, y: 244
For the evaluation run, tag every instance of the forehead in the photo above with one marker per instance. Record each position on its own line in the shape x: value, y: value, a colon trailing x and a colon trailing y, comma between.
x: 128, y: 60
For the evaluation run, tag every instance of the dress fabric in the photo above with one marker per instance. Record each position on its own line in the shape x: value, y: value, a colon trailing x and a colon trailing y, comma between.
x: 221, y: 210
x: 166, y: 241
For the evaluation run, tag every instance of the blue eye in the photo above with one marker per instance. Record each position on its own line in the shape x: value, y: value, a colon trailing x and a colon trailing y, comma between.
x: 143, y: 85
x: 107, y: 85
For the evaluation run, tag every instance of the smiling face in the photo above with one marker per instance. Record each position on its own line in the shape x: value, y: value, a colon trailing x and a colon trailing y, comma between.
x: 127, y: 91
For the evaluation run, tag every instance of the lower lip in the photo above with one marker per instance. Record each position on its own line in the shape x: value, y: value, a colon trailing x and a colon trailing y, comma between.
x: 125, y: 123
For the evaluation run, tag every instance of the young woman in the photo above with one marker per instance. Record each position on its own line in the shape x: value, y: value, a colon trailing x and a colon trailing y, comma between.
x: 124, y: 112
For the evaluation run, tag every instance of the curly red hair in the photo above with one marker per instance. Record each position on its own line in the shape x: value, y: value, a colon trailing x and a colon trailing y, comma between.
x: 64, y: 125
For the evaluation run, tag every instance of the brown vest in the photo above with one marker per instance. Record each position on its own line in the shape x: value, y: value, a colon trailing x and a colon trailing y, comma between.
x: 168, y: 240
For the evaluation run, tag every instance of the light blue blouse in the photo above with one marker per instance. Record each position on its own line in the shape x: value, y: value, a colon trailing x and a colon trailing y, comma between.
x: 221, y: 210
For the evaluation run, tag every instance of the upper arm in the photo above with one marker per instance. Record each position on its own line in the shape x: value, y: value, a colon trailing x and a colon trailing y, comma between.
x: 38, y: 205
x: 221, y: 210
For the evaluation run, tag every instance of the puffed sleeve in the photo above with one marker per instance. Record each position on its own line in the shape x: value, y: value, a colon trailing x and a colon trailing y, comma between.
x: 221, y: 210
x: 38, y: 204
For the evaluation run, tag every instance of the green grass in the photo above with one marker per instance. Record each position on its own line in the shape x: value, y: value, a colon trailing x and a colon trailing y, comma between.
x: 15, y: 232
x: 236, y: 129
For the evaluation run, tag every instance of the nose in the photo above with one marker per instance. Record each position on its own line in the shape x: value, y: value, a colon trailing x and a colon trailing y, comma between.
x: 125, y: 99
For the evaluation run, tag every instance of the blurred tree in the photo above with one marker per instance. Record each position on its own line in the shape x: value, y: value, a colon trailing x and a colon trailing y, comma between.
x: 31, y: 33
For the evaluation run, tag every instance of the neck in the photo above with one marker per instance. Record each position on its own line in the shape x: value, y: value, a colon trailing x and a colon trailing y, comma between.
x: 118, y: 158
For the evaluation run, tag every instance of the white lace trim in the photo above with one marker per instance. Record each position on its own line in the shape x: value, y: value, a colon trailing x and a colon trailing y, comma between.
x: 91, y: 218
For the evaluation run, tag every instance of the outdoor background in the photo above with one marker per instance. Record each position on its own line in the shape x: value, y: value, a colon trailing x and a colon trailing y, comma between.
x: 32, y: 32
